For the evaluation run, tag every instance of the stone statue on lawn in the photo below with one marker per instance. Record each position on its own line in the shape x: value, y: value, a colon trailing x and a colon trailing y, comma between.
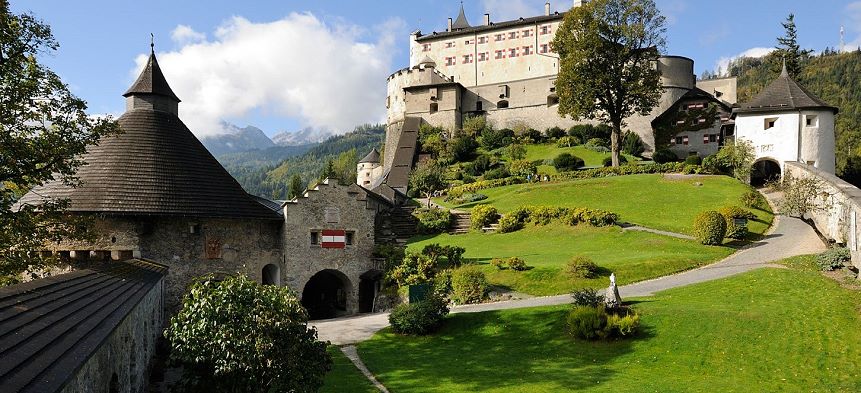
x: 612, y: 298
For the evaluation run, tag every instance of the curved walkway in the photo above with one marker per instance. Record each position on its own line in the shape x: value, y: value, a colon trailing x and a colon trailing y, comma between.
x: 789, y: 237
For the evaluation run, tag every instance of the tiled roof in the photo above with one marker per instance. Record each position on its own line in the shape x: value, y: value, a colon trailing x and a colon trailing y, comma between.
x: 51, y: 327
x: 784, y: 94
x: 151, y: 81
x: 460, y: 23
x: 492, y: 26
x: 155, y: 167
x: 372, y: 157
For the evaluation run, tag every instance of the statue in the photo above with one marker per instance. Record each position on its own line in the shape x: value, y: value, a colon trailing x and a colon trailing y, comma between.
x: 612, y: 279
x: 612, y: 298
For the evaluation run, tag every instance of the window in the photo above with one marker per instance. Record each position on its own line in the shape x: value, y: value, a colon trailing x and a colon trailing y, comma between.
x: 512, y: 35
x: 552, y: 99
x: 770, y: 122
x: 677, y: 140
x: 434, y: 107
x: 499, y: 37
x: 449, y: 44
x: 811, y: 121
x: 502, y: 104
x: 479, y: 106
x: 348, y: 238
x: 526, y: 33
x: 527, y: 50
x: 499, y: 55
x: 467, y: 59
x: 315, y: 237
x: 426, y: 47
x: 713, y: 137
x: 544, y: 48
x: 545, y: 29
x: 483, y: 56
x: 468, y: 42
x: 450, y: 61
x: 482, y: 39
x: 193, y: 229
x: 512, y: 52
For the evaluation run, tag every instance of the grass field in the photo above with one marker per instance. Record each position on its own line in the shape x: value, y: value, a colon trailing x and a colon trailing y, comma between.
x: 550, y: 151
x: 344, y: 376
x: 633, y: 256
x: 764, y: 331
x: 649, y: 200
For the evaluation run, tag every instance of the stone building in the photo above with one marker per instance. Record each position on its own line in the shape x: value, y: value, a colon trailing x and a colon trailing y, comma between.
x: 506, y: 72
x: 91, y: 330
x: 787, y: 123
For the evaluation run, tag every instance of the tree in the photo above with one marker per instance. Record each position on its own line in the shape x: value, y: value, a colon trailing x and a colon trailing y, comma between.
x: 236, y: 335
x: 516, y: 151
x: 738, y: 157
x: 607, y: 49
x: 344, y: 167
x: 789, y: 49
x: 45, y: 129
x: 296, y: 186
x: 426, y: 178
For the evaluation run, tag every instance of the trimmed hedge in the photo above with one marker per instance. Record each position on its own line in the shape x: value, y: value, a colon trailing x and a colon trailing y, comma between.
x: 482, y: 216
x: 543, y: 215
x: 433, y: 220
x: 509, y: 223
x: 458, y: 191
x: 672, y: 167
x: 468, y: 285
x: 710, y: 228
x: 567, y: 162
x: 730, y: 213
x: 419, y: 318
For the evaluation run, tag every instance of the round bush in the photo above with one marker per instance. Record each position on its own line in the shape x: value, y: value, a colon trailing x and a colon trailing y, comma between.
x: 608, y: 161
x: 468, y: 285
x: 498, y: 263
x: 693, y: 160
x: 509, y: 223
x: 517, y: 264
x: 419, y: 318
x: 568, y: 141
x: 567, y: 162
x: 664, y: 156
x: 731, y: 213
x: 597, y: 142
x: 482, y: 216
x: 751, y: 199
x: 588, y: 323
x: 710, y: 228
x: 433, y: 220
x: 582, y: 267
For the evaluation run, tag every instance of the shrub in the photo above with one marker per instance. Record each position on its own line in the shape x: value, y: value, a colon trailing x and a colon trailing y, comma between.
x: 419, y: 318
x: 478, y: 166
x: 468, y: 285
x: 482, y: 216
x: 587, y: 297
x: 442, y: 282
x: 588, y: 323
x: 568, y: 141
x: 533, y: 135
x: 598, y: 218
x: 672, y: 167
x: 433, y: 220
x: 493, y: 139
x: 608, y: 161
x: 597, y: 142
x: 751, y: 199
x: 730, y: 214
x: 416, y: 268
x: 632, y: 144
x: 516, y: 151
x: 833, y: 259
x: 484, y: 184
x: 693, y: 160
x: 522, y: 168
x: 554, y: 132
x: 497, y: 173
x: 582, y: 267
x: 710, y: 228
x: 664, y: 156
x: 465, y: 198
x: 623, y: 324
x: 517, y: 264
x: 462, y: 149
x: 498, y: 263
x: 509, y: 223
x: 567, y: 162
x: 543, y: 215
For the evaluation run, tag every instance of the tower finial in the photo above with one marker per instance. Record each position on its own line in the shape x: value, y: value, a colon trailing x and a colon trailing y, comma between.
x: 151, y: 43
x: 784, y: 72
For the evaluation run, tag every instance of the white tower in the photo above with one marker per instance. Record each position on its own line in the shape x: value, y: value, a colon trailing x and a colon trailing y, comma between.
x: 369, y: 169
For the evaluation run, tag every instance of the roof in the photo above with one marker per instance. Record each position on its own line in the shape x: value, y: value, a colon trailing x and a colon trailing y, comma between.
x: 695, y: 93
x: 372, y: 157
x: 402, y: 162
x: 784, y: 94
x: 492, y: 26
x: 50, y: 327
x: 275, y: 206
x: 151, y: 81
x: 460, y: 23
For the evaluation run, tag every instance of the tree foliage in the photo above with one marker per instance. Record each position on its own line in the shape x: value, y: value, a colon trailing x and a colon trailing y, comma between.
x: 607, y: 49
x: 426, y: 178
x: 296, y: 186
x: 45, y: 129
x: 789, y: 49
x: 236, y: 335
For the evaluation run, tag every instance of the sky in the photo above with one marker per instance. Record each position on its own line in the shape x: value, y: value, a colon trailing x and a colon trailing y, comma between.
x: 287, y: 65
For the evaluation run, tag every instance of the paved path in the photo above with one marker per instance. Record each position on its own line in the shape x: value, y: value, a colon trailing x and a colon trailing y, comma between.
x: 789, y: 237
x: 351, y: 353
x: 631, y: 227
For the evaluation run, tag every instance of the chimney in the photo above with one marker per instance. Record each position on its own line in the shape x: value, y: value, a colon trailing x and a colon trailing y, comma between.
x: 547, y: 9
x: 449, y: 24
x: 578, y: 3
x: 487, y: 19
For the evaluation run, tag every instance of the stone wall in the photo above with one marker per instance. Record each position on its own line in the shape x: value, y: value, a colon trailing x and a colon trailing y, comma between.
x: 839, y: 207
x: 127, y: 353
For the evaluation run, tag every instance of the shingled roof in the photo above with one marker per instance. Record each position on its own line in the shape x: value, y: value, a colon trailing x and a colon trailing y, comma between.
x: 50, y: 327
x: 156, y: 167
x: 372, y: 157
x: 151, y: 81
x: 460, y: 23
x: 784, y: 94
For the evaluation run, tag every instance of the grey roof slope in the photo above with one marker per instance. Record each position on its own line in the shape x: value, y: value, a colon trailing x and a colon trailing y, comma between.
x: 151, y: 81
x: 784, y: 94
x: 372, y: 157
x: 492, y: 26
x: 50, y: 327
x: 694, y: 93
x: 402, y: 163
x: 460, y: 23
x: 156, y: 167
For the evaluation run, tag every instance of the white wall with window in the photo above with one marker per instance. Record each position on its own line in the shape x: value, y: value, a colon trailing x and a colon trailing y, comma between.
x: 798, y: 136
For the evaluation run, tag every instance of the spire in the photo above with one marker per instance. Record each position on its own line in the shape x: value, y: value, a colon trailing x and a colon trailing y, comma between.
x: 460, y: 23
x: 784, y: 73
x: 151, y: 81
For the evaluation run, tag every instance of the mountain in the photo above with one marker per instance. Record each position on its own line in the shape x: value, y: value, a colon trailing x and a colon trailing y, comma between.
x: 304, y: 136
x: 236, y: 139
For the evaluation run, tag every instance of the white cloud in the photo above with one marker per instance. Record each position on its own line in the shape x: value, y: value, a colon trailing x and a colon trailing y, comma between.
x: 298, y: 67
x: 853, y: 16
x: 502, y: 10
x: 184, y: 35
x: 723, y: 62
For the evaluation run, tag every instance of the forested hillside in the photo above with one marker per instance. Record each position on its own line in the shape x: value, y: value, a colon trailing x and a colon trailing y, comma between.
x: 260, y: 175
x: 834, y: 77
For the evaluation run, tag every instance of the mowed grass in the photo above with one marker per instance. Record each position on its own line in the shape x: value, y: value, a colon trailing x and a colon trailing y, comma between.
x: 632, y: 255
x: 344, y: 376
x: 764, y: 331
x: 549, y: 151
x: 668, y: 203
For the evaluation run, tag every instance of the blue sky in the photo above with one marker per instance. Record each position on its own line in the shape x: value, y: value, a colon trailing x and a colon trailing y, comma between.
x: 287, y: 65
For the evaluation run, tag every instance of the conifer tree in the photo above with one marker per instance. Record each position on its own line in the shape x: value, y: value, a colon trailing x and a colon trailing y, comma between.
x: 789, y: 48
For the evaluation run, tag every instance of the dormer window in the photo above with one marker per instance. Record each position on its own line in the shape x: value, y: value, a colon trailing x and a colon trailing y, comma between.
x: 770, y: 122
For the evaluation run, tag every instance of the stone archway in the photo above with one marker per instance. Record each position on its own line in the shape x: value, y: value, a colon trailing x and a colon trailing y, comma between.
x: 326, y: 295
x: 764, y: 171
x: 271, y: 275
x: 369, y: 287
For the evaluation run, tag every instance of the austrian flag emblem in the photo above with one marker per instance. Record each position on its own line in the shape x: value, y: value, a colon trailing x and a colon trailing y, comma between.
x: 334, y: 238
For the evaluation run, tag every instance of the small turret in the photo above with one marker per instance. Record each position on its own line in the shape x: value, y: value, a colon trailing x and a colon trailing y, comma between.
x: 369, y: 169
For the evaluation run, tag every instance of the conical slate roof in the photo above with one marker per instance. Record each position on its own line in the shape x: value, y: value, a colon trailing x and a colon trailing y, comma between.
x: 784, y: 94
x: 372, y: 157
x: 151, y: 81
x: 156, y: 167
x: 460, y: 23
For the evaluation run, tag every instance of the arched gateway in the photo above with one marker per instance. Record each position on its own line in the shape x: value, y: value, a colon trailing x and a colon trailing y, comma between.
x: 764, y: 171
x: 326, y: 294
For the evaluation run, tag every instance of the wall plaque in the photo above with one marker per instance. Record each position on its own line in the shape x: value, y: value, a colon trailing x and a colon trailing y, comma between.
x: 332, y: 215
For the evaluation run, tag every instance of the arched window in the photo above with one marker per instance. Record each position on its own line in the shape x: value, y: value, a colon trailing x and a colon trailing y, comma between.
x: 271, y: 275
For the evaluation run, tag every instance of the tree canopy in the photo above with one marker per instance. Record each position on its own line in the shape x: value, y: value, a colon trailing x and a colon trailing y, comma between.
x: 789, y: 49
x: 607, y: 51
x: 45, y: 129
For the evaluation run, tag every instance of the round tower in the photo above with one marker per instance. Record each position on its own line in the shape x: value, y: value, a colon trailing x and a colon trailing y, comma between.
x: 368, y: 169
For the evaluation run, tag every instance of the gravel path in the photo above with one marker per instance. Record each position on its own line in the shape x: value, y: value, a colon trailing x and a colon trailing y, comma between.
x: 351, y: 353
x: 789, y: 237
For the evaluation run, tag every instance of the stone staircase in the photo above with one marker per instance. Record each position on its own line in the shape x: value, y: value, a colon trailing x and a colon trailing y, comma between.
x: 403, y: 224
x: 460, y: 223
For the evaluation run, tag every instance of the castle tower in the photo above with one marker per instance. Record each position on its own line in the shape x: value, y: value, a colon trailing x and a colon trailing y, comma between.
x: 369, y: 169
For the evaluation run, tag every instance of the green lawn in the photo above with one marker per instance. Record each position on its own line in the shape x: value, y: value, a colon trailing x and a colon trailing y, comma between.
x: 550, y: 151
x: 648, y: 200
x: 765, y: 331
x: 344, y: 376
x: 633, y: 256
